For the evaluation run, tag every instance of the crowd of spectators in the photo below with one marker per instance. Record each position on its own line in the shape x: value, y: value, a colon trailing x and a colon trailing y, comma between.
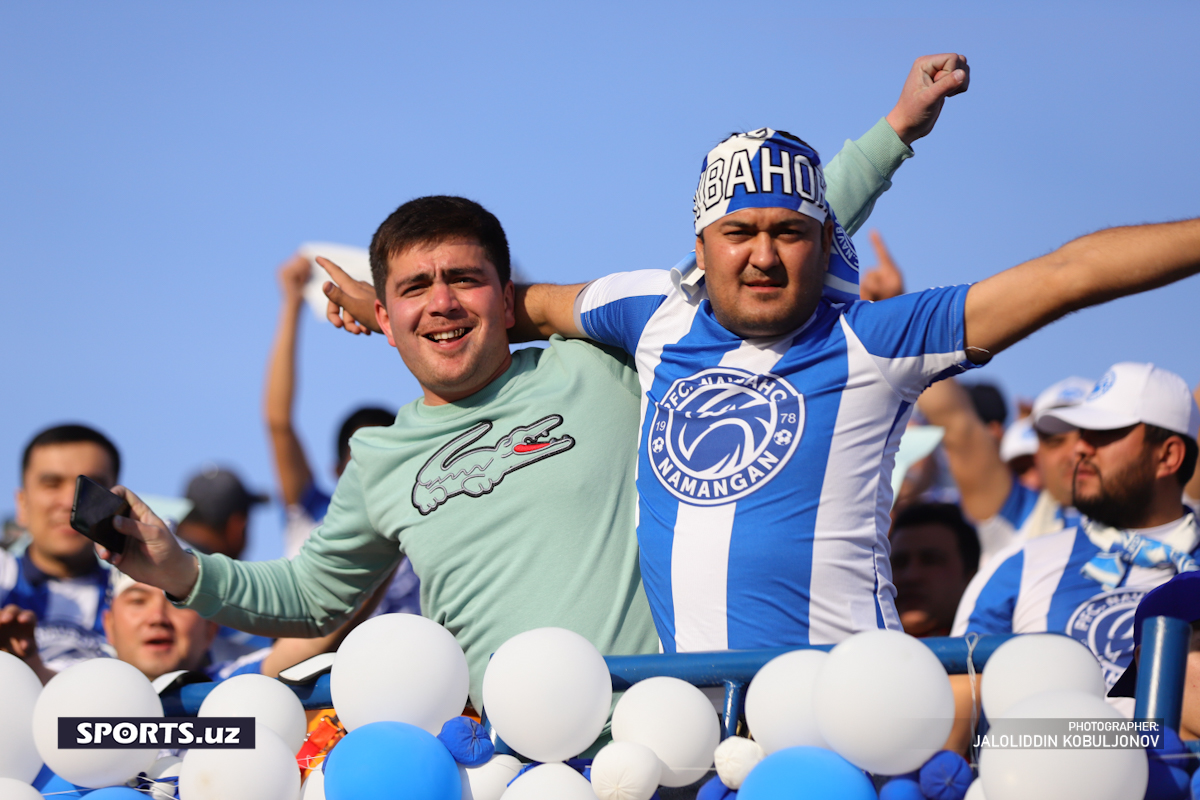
x: 1059, y: 520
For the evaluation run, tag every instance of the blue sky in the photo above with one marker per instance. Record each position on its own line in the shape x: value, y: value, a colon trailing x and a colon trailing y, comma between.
x: 159, y: 161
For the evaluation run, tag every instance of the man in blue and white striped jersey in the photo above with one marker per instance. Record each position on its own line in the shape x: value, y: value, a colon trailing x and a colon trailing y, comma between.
x: 771, y: 415
x: 57, y: 580
x: 1135, y: 452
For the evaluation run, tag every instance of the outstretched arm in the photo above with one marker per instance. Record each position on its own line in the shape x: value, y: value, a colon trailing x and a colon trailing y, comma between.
x: 544, y: 309
x: 291, y: 465
x: 1093, y: 269
x: 930, y: 81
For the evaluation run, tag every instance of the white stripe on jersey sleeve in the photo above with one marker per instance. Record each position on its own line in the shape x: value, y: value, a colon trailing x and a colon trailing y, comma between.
x: 854, y: 512
x: 1045, y: 559
x: 618, y: 286
x: 700, y: 576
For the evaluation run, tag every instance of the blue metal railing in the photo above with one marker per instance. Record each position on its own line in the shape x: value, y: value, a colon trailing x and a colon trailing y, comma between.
x: 1165, y: 644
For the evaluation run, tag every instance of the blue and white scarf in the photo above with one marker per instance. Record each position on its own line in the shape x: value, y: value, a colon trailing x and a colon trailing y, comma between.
x: 1121, y: 549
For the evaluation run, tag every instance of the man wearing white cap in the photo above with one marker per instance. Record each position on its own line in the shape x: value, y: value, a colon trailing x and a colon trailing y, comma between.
x: 1007, y: 510
x: 1135, y: 451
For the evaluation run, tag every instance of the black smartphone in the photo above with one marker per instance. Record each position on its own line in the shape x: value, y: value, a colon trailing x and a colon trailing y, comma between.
x: 93, y: 511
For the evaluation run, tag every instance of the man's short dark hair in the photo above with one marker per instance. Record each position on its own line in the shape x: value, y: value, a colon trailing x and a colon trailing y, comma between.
x: 70, y: 434
x: 431, y: 221
x: 366, y: 417
x: 988, y: 401
x: 949, y: 516
x: 1157, y: 435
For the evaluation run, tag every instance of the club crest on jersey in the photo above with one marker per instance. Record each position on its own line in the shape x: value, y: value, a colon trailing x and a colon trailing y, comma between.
x: 1104, y: 624
x: 723, y: 433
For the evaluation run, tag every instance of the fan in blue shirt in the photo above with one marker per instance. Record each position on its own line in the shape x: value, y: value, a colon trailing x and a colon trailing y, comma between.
x: 772, y: 413
x: 58, y: 578
x: 1136, y: 451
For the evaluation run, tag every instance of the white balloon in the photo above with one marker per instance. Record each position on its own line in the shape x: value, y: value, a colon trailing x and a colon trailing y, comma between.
x: 625, y: 771
x: 1094, y: 774
x: 313, y: 787
x: 399, y: 668
x: 266, y: 772
x: 160, y: 770
x: 100, y: 687
x: 883, y: 702
x: 675, y: 720
x: 12, y: 789
x: 488, y: 781
x: 270, y: 702
x: 779, y: 702
x: 550, y: 782
x: 975, y: 791
x: 19, y: 757
x: 547, y: 693
x: 1029, y: 665
x: 734, y: 758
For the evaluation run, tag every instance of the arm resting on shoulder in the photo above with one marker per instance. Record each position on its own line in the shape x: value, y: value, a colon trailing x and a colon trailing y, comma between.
x: 983, y: 479
x: 544, y: 309
x: 1093, y: 269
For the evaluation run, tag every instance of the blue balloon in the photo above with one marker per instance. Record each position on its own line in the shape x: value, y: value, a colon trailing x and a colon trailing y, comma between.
x: 901, y: 789
x: 116, y: 793
x: 946, y: 776
x: 714, y: 789
x: 48, y: 783
x: 385, y: 760
x: 806, y: 773
x: 467, y: 741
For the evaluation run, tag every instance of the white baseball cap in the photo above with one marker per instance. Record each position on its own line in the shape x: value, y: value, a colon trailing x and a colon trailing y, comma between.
x: 1130, y: 393
x: 118, y: 582
x: 1067, y: 392
x: 1019, y: 440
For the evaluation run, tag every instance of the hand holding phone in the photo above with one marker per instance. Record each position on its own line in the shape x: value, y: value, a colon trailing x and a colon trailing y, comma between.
x: 93, y: 511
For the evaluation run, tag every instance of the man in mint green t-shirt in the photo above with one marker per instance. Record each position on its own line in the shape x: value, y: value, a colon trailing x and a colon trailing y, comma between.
x: 509, y: 484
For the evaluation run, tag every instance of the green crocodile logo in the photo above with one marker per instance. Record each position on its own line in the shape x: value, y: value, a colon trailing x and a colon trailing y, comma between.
x: 450, y: 471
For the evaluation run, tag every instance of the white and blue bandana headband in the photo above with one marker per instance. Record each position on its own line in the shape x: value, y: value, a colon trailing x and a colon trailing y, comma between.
x: 771, y: 169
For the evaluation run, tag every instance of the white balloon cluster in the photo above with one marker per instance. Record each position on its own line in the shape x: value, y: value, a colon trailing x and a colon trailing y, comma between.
x: 880, y: 699
x: 548, y: 692
x: 1047, y: 676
